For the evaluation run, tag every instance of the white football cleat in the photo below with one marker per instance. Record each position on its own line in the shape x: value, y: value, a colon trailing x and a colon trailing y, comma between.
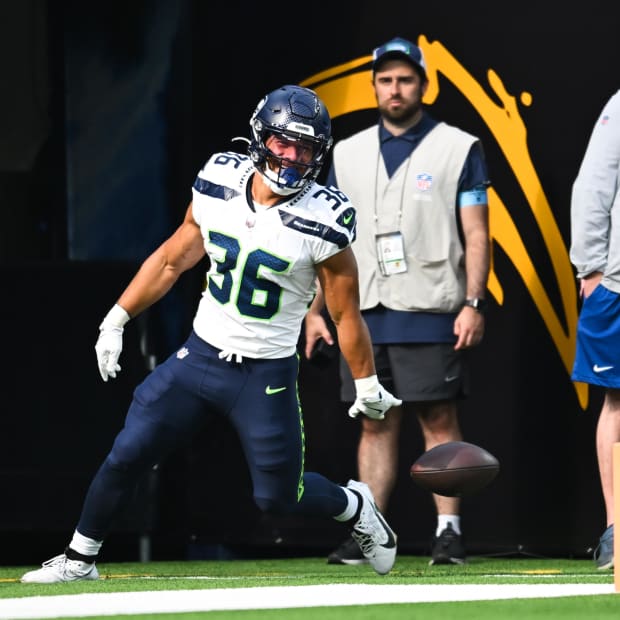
x: 372, y: 533
x: 61, y: 569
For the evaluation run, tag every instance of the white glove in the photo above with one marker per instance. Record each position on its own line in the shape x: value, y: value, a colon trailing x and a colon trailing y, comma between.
x: 373, y: 400
x: 110, y: 342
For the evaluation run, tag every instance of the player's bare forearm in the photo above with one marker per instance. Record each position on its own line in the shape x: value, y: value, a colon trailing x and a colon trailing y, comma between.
x: 158, y: 273
x: 339, y: 283
x: 356, y: 346
x: 152, y: 281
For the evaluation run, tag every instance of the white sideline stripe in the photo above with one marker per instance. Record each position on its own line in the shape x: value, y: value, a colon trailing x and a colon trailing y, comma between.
x: 276, y: 597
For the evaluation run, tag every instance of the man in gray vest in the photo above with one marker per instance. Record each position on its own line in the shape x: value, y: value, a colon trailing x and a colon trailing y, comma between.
x: 422, y: 246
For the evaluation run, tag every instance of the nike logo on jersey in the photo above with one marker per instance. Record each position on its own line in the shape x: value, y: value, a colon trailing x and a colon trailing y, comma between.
x: 450, y: 378
x: 597, y: 368
x: 347, y: 218
x: 269, y: 390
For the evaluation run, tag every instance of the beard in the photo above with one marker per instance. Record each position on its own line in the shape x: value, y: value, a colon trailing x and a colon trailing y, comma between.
x: 402, y: 116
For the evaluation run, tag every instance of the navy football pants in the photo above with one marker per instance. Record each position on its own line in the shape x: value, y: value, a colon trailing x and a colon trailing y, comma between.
x: 260, y: 399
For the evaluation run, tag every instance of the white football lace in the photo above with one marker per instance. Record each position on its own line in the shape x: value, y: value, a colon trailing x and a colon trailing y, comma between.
x: 59, y: 559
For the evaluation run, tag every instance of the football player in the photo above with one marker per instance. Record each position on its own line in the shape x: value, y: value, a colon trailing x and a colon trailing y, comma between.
x: 269, y: 230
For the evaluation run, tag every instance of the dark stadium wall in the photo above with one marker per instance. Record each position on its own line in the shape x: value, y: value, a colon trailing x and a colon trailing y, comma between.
x: 148, y: 93
x: 531, y: 88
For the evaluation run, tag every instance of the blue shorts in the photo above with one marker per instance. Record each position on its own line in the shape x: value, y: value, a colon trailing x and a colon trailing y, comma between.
x: 597, y: 354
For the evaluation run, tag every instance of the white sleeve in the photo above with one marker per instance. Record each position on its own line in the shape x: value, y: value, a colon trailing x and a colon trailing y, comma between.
x: 594, y: 192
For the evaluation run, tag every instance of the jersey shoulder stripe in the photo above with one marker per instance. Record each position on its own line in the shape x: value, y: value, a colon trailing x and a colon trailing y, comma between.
x: 321, y: 212
x: 316, y: 229
x: 214, y: 190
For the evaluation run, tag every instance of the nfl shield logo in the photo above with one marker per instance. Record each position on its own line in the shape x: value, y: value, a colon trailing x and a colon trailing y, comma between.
x: 423, y: 181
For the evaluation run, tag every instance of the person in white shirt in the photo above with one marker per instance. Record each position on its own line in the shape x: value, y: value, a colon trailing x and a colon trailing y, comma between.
x: 595, y: 254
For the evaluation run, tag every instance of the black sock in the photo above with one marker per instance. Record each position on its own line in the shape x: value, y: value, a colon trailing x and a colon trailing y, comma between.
x: 72, y: 554
x: 353, y: 520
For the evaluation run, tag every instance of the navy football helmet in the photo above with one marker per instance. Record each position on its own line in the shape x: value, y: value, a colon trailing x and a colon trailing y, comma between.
x: 293, y: 113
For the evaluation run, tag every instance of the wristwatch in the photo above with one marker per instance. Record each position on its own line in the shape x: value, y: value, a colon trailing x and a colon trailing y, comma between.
x: 477, y: 303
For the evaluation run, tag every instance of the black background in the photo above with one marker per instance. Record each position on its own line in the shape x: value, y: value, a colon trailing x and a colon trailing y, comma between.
x: 108, y: 113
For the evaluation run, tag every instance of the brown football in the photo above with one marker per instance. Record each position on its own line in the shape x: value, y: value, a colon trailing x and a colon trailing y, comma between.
x: 455, y: 469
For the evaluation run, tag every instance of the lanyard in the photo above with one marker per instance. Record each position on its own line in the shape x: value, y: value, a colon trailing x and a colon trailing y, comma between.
x: 402, y: 190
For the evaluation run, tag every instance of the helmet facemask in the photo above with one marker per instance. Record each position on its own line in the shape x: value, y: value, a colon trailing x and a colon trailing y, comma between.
x: 286, y: 176
x: 293, y: 114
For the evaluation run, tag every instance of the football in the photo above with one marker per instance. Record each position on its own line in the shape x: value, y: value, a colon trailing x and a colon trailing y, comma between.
x: 455, y: 469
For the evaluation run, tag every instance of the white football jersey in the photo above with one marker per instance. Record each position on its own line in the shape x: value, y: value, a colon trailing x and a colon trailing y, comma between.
x: 261, y: 277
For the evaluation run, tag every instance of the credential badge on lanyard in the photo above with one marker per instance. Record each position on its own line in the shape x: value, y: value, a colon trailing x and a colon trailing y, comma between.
x: 391, y: 253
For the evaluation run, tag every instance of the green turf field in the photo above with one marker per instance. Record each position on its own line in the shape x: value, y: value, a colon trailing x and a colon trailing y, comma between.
x: 239, y: 580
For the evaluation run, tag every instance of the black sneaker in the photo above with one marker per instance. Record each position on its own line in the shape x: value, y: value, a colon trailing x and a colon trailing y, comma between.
x: 447, y: 548
x: 347, y: 553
